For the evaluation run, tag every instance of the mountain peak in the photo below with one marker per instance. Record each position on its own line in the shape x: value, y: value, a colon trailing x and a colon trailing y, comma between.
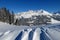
x: 43, y: 12
x: 31, y: 13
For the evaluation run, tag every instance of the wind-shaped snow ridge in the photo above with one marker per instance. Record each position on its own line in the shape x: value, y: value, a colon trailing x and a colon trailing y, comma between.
x: 34, y: 34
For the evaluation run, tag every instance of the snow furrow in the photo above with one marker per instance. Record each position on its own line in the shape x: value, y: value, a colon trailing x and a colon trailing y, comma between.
x: 36, y: 35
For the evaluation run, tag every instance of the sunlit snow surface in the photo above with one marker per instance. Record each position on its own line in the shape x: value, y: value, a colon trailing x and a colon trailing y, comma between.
x: 39, y: 32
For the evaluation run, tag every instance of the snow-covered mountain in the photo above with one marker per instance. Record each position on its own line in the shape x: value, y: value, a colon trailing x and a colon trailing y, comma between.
x: 31, y: 13
x: 37, y: 17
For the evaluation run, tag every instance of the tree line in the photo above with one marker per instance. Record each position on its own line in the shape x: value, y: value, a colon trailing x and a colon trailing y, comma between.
x: 6, y: 16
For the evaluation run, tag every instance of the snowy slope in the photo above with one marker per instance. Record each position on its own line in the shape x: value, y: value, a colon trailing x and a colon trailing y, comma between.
x: 54, y: 21
x: 46, y: 32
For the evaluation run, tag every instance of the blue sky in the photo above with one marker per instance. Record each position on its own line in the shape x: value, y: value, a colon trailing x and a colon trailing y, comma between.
x: 25, y: 5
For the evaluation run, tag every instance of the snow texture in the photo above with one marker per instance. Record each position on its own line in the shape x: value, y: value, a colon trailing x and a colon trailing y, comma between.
x: 46, y: 32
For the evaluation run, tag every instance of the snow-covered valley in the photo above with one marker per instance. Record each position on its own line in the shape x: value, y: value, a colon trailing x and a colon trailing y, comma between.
x: 39, y: 32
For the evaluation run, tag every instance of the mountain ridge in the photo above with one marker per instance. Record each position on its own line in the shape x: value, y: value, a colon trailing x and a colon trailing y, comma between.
x: 30, y: 13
